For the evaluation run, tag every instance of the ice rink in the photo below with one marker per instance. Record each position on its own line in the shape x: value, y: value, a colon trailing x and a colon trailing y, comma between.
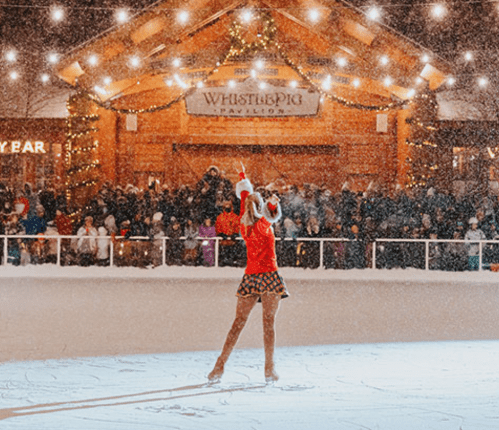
x: 59, y: 371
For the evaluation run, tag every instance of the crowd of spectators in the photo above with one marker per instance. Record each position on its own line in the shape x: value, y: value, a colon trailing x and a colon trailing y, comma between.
x: 136, y: 221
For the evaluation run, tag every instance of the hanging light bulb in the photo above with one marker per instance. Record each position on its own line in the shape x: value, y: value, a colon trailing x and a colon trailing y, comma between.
x: 451, y: 80
x: 483, y: 82
x: 356, y: 83
x: 293, y: 84
x: 468, y: 56
x: 232, y: 84
x: 134, y: 61
x: 53, y: 58
x: 121, y: 16
x: 176, y: 62
x: 14, y: 75
x: 387, y: 81
x: 93, y: 60
x: 374, y: 13
x: 384, y: 60
x: 45, y: 78
x: 11, y: 56
x: 246, y: 16
x: 438, y: 11
x: 57, y: 13
x: 314, y: 15
x: 342, y: 61
x: 183, y: 17
x: 107, y: 80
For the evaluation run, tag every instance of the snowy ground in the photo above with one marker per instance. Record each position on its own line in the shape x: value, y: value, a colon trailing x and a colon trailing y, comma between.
x: 441, y: 385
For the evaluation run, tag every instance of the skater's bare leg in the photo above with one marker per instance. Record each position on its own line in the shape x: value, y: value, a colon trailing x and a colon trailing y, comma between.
x: 243, y: 310
x: 270, y: 305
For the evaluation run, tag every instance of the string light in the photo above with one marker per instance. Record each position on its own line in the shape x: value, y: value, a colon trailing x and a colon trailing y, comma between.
x: 134, y: 62
x: 183, y: 17
x: 14, y: 75
x: 246, y: 16
x: 176, y: 62
x: 468, y: 56
x: 11, y: 56
x: 356, y: 83
x: 53, y: 58
x: 293, y: 84
x: 45, y: 78
x: 232, y: 84
x: 387, y: 81
x: 314, y: 15
x: 57, y: 13
x: 438, y: 11
x: 482, y: 82
x: 93, y: 60
x: 121, y: 16
x: 107, y: 80
x: 342, y: 62
x: 374, y: 13
x: 384, y: 60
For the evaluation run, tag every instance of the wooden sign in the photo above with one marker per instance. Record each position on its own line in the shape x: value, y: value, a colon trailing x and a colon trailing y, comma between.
x: 253, y: 99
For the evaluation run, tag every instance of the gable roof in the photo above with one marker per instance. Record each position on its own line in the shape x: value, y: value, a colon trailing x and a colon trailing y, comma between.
x: 316, y: 49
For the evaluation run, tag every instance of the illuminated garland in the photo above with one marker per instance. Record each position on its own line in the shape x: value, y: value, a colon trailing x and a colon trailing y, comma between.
x: 79, y: 122
x: 239, y: 46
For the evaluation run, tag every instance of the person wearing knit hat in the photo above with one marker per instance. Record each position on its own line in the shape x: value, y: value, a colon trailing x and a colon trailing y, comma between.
x: 261, y: 281
x: 474, y: 234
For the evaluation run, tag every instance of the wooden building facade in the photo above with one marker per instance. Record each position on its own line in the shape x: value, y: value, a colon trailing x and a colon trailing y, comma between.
x: 320, y: 100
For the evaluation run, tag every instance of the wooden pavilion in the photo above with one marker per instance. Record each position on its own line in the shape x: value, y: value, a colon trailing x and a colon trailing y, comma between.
x: 301, y: 91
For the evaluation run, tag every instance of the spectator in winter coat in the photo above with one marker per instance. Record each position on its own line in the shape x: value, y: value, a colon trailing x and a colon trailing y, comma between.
x: 103, y: 244
x: 206, y: 230
x: 87, y: 244
x: 157, y: 232
x: 474, y: 233
x: 191, y: 244
x: 227, y: 227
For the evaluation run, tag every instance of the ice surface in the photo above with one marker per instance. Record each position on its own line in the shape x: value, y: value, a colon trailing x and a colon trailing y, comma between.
x: 394, y: 386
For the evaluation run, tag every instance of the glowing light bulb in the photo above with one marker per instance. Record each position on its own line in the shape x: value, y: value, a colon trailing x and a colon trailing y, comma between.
x: 425, y: 58
x: 169, y: 82
x: 53, y: 58
x: 451, y: 80
x: 411, y: 93
x: 262, y: 85
x: 93, y: 60
x: 259, y: 64
x: 14, y: 75
x: 246, y: 16
x: 438, y: 11
x: 107, y: 81
x: 314, y: 15
x: 356, y: 83
x: 384, y: 60
x: 483, y: 82
x: 374, y: 13
x: 183, y: 17
x: 57, y: 13
x: 468, y: 56
x: 293, y: 84
x: 419, y: 80
x: 11, y: 56
x: 134, y: 62
x: 121, y: 16
x: 342, y: 62
x: 200, y: 85
x: 232, y: 84
x: 253, y: 73
x: 45, y: 78
x: 387, y: 81
x: 176, y: 62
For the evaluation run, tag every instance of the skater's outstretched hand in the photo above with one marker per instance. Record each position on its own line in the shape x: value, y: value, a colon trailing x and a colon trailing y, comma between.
x: 274, y: 200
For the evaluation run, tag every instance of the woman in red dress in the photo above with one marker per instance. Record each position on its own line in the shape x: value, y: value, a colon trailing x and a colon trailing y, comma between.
x: 261, y: 281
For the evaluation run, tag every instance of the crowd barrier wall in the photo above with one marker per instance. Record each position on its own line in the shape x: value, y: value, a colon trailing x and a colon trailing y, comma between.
x: 374, y: 251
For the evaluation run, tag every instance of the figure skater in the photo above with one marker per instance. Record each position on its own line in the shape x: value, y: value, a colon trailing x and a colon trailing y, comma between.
x: 261, y: 281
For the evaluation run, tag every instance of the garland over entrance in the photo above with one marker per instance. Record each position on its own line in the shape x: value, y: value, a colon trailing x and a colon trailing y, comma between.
x: 265, y: 39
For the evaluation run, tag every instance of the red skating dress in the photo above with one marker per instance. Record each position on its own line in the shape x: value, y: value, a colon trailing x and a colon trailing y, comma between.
x: 261, y: 275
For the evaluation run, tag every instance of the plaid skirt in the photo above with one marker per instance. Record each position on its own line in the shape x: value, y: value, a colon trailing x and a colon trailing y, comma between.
x: 260, y: 283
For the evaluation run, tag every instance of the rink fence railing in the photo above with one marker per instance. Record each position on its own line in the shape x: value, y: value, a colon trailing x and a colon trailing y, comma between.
x: 375, y: 245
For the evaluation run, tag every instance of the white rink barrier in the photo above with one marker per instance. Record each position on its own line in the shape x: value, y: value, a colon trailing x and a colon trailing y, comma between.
x: 377, y: 245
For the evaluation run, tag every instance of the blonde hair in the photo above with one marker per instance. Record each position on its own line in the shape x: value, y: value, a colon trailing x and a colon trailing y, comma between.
x: 252, y: 209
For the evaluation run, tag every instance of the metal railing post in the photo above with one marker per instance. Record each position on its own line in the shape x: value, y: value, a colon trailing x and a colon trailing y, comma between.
x: 321, y: 252
x: 58, y: 252
x: 164, y: 250
x: 111, y: 252
x: 374, y: 254
x: 427, y: 255
x: 480, y: 255
x: 5, y: 250
x: 216, y: 251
